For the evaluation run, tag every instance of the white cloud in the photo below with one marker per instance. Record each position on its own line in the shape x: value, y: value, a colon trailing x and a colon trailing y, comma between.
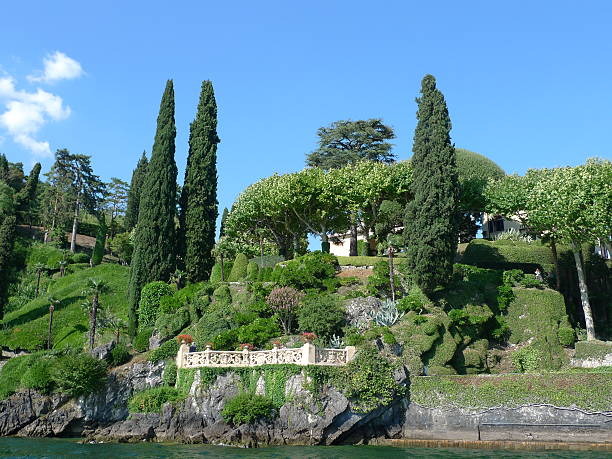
x: 58, y: 67
x: 27, y: 112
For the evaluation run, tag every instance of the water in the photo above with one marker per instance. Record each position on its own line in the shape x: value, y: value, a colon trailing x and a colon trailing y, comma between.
x: 60, y: 448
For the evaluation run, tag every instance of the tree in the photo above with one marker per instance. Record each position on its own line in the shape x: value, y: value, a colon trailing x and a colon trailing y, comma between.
x: 95, y: 288
x: 116, y: 200
x: 284, y: 301
x: 7, y: 239
x: 98, y: 251
x: 133, y: 198
x: 572, y: 204
x: 25, y: 199
x: 431, y: 224
x: 223, y: 222
x: 56, y: 196
x: 199, y: 193
x: 346, y: 142
x: 154, y: 256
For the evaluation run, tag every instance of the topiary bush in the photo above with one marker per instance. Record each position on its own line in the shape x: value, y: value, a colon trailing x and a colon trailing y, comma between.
x: 169, y: 375
x: 252, y: 271
x: 78, y: 374
x: 170, y: 324
x: 211, y: 325
x: 167, y: 350
x: 150, y: 298
x: 79, y: 257
x: 321, y: 315
x: 141, y: 340
x: 567, y: 336
x: 223, y: 295
x: 119, y: 355
x: 247, y: 408
x: 527, y: 359
x: 309, y: 271
x: 151, y: 400
x: 239, y: 270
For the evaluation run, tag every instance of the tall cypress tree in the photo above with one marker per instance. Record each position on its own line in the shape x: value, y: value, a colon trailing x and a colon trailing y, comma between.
x: 24, y: 200
x: 431, y: 224
x: 7, y: 238
x: 224, y: 216
x: 199, y: 195
x: 155, y: 239
x: 133, y: 203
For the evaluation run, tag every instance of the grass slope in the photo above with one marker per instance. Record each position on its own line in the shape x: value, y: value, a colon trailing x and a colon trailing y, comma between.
x: 27, y: 327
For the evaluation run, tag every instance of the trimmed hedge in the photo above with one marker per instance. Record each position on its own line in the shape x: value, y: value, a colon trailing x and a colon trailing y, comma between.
x: 239, y: 269
x: 593, y: 349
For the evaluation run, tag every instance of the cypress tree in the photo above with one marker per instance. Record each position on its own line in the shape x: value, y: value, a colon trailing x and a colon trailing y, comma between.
x: 154, y: 255
x: 199, y: 195
x: 431, y: 224
x: 24, y: 200
x: 7, y: 238
x: 138, y: 176
x: 223, y: 222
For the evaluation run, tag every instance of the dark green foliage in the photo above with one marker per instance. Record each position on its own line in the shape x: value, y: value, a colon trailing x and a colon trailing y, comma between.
x: 593, y: 349
x: 473, y: 171
x: 155, y: 239
x: 431, y: 224
x: 169, y: 376
x: 222, y: 294
x: 199, y: 193
x: 415, y: 300
x: 38, y: 376
x: 136, y: 185
x: 368, y: 381
x: 346, y: 142
x: 567, y: 336
x: 239, y: 269
x: 530, y: 281
x: 167, y: 350
x: 141, y: 340
x: 168, y: 305
x: 152, y: 400
x: 98, y: 251
x: 12, y: 373
x: 308, y: 271
x: 78, y: 374
x: 252, y: 271
x: 79, y: 257
x: 257, y: 333
x: 169, y: 325
x: 7, y: 239
x: 363, y: 249
x: 25, y: 198
x: 247, y: 408
x: 505, y: 296
x: 390, y: 216
x: 378, y: 282
x: 150, y: 298
x: 265, y: 274
x: 211, y: 325
x: 119, y: 355
x: 223, y: 222
x: 322, y: 315
x: 528, y: 358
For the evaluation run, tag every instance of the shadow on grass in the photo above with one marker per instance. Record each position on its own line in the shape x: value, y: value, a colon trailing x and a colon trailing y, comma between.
x: 78, y: 328
x: 41, y: 311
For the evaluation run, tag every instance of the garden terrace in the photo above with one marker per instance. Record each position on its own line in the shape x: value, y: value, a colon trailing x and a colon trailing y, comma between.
x: 308, y: 354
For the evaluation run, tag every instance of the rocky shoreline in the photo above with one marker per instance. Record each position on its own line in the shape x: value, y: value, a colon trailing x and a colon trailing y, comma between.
x: 304, y: 420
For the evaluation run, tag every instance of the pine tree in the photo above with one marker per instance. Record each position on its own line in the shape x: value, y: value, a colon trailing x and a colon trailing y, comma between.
x: 199, y: 195
x: 24, y: 200
x: 223, y: 222
x: 7, y: 238
x: 155, y: 239
x: 431, y: 224
x: 138, y: 176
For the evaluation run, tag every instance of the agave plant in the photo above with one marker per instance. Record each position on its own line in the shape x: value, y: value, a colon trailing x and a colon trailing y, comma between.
x: 387, y: 315
x: 335, y: 342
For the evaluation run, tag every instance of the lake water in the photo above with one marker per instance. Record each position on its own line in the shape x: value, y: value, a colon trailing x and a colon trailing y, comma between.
x: 60, y: 448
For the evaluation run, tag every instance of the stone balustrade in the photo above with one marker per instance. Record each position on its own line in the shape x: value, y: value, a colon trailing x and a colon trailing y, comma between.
x: 308, y: 354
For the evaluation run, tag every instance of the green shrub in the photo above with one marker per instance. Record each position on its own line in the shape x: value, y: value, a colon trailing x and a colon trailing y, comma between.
x: 211, y: 325
x: 268, y: 261
x: 239, y: 270
x: 169, y: 375
x: 247, y: 408
x: 78, y: 374
x: 594, y: 349
x: 169, y: 325
x: 258, y: 332
x: 530, y: 281
x: 151, y: 400
x: 265, y: 274
x: 321, y: 314
x: 307, y: 272
x: 513, y: 277
x: 79, y: 257
x: 46, y: 255
x: 505, y: 296
x: 11, y: 374
x: 168, y: 305
x: 378, y: 282
x: 415, y: 300
x: 368, y: 381
x: 150, y: 297
x: 167, y: 350
x: 141, y: 340
x: 215, y: 274
x: 567, y: 337
x: 119, y: 355
x: 223, y: 295
x: 527, y: 359
x: 252, y: 271
x: 363, y: 248
x: 38, y: 376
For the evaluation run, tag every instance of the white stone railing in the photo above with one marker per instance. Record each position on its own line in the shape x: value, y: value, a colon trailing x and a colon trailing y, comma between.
x: 308, y: 354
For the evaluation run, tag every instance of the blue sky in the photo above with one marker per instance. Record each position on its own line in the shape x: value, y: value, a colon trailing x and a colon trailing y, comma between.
x: 527, y: 83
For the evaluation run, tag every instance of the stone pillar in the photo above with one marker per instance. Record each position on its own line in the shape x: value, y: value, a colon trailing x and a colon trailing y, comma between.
x: 207, y: 354
x: 180, y: 355
x: 350, y: 353
x: 245, y: 357
x: 308, y: 354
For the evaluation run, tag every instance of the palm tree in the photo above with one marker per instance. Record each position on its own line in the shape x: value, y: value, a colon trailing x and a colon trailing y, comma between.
x: 53, y: 303
x: 111, y: 322
x: 95, y: 288
x: 39, y: 268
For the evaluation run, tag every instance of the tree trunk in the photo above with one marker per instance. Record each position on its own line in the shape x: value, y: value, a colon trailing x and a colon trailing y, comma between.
x: 584, y: 294
x: 324, y: 242
x: 75, y: 226
x: 553, y: 249
x: 353, y: 241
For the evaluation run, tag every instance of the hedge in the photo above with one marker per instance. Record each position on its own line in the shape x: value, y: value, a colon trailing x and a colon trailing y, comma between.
x: 593, y: 349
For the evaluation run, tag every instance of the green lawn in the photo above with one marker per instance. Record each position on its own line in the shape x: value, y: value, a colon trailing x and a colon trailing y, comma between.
x: 27, y: 327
